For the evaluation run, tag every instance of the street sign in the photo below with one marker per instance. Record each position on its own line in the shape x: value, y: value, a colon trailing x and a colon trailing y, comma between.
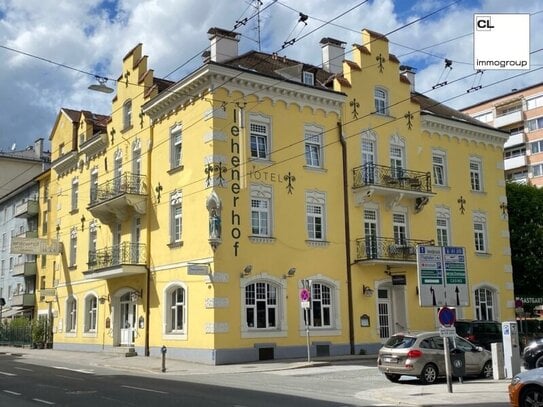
x: 446, y: 317
x: 305, y: 304
x: 442, y: 276
x: 447, y: 332
x: 304, y: 294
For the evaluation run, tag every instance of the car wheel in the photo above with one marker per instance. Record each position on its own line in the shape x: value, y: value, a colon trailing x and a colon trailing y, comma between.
x: 531, y: 396
x: 428, y: 374
x: 394, y: 378
x: 539, y: 362
x: 486, y: 373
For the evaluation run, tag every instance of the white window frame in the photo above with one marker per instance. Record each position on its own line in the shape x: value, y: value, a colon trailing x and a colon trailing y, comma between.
x: 319, y: 292
x: 176, y: 217
x: 259, y: 137
x: 172, y: 326
x: 313, y: 147
x: 176, y: 146
x: 169, y: 332
x: 73, y: 247
x: 536, y: 146
x: 71, y: 315
x: 127, y: 114
x: 537, y: 170
x: 94, y: 185
x: 399, y: 228
x: 308, y: 78
x: 534, y: 124
x: 488, y: 313
x: 380, y: 97
x: 476, y: 174
x: 91, y: 314
x: 315, y: 204
x: 480, y: 233
x: 264, y: 293
x: 75, y: 193
x: 534, y: 102
x: 439, y: 167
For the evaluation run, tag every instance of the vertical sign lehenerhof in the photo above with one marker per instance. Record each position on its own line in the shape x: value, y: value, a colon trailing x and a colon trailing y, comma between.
x: 442, y: 276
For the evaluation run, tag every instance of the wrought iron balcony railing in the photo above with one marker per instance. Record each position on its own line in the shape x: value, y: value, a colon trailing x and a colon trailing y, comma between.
x: 388, y: 248
x: 124, y: 253
x: 126, y: 183
x: 391, y: 177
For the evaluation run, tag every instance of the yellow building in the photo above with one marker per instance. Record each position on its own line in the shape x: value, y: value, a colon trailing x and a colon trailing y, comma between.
x: 197, y: 215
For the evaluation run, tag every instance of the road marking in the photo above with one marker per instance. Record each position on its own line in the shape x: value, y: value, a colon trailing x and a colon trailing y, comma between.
x: 8, y: 374
x: 23, y: 368
x: 12, y: 392
x: 44, y: 401
x: 144, y: 389
x: 74, y: 370
x: 305, y: 371
x: 70, y: 377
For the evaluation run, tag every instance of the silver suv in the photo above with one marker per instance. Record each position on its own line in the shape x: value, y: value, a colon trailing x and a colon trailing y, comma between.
x: 422, y: 355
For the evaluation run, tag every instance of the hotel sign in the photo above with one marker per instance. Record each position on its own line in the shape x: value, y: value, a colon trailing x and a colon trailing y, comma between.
x: 27, y: 245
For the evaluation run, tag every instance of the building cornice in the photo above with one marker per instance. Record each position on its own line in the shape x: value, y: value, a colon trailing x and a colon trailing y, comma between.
x: 462, y: 131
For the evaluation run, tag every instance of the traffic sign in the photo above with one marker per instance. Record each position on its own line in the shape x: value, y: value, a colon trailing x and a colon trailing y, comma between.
x: 446, y: 317
x: 447, y: 332
x: 304, y: 294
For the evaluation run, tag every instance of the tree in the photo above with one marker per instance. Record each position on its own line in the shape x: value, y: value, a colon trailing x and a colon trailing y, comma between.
x: 525, y: 211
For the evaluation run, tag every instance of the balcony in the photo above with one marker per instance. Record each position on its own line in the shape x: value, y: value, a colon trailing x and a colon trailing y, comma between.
x: 508, y: 119
x: 514, y: 139
x: 25, y: 269
x: 121, y: 260
x: 393, y: 183
x: 23, y: 300
x: 27, y: 209
x: 119, y: 198
x: 515, y: 162
x: 388, y: 250
x: 29, y: 234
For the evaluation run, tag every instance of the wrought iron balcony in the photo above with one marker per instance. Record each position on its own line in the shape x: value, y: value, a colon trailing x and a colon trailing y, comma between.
x: 117, y: 199
x: 388, y: 249
x: 116, y: 261
x: 392, y: 182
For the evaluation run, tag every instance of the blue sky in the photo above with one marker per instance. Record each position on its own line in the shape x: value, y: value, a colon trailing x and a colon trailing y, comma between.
x: 93, y: 36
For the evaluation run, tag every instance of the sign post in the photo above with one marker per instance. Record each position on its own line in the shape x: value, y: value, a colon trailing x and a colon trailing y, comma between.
x: 305, y: 296
x: 446, y: 319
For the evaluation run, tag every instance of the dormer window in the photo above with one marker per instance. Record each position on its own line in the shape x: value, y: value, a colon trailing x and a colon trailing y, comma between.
x: 308, y: 78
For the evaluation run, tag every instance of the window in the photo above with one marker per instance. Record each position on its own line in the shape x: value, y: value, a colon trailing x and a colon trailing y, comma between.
x: 93, y: 226
x: 176, y: 217
x: 176, y: 310
x: 308, y: 78
x: 94, y: 186
x: 320, y: 313
x: 261, y: 305
x: 536, y: 146
x: 313, y: 149
x: 479, y: 231
x: 515, y: 152
x: 399, y: 225
x: 396, y: 161
x: 484, y: 304
x: 127, y: 114
x: 535, y: 124
x: 439, y: 167
x: 259, y: 140
x: 75, y: 193
x: 475, y: 174
x: 4, y: 242
x: 381, y: 101
x: 368, y: 156
x: 260, y: 216
x: 71, y: 315
x: 315, y: 221
x: 175, y: 147
x: 534, y: 102
x: 485, y: 117
x: 537, y: 170
x: 442, y: 230
x: 91, y: 310
x: 73, y: 247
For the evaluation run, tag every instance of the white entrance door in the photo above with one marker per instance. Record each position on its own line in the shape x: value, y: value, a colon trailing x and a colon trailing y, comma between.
x: 127, y: 320
x: 384, y: 309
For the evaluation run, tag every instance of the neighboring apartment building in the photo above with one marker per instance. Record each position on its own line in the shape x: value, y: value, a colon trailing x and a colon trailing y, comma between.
x: 520, y: 113
x: 18, y: 218
x: 198, y: 213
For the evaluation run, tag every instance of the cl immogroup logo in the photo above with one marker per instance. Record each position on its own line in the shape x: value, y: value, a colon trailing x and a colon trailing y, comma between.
x: 483, y: 23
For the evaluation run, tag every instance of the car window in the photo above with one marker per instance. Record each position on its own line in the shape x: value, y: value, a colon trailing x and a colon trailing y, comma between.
x: 400, y: 342
x: 438, y: 343
x: 428, y: 344
x: 462, y: 328
x: 464, y: 345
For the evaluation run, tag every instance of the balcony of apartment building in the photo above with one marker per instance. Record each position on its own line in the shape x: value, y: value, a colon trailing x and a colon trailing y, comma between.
x: 29, y: 234
x: 388, y: 250
x: 394, y: 183
x: 508, y: 114
x: 117, y: 199
x: 120, y: 260
x: 516, y: 138
x: 24, y: 300
x: 515, y: 158
x: 25, y: 268
x: 27, y: 209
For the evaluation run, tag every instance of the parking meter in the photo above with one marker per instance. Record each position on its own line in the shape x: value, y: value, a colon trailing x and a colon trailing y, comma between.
x: 163, y: 350
x: 511, y: 349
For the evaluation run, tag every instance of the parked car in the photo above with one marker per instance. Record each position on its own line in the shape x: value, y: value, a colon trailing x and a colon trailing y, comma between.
x: 533, y: 354
x: 480, y: 333
x: 422, y: 355
x: 526, y: 389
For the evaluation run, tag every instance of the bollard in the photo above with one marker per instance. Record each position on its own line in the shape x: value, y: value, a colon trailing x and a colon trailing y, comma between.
x: 163, y: 350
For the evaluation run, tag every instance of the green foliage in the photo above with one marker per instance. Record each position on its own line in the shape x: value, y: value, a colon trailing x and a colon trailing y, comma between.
x: 38, y: 331
x: 525, y: 211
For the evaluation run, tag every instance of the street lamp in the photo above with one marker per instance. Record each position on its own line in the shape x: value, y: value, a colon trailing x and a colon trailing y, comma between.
x: 101, y: 87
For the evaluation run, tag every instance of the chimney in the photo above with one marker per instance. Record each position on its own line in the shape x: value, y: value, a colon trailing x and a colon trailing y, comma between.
x: 38, y: 148
x: 333, y: 54
x: 224, y: 44
x: 409, y: 73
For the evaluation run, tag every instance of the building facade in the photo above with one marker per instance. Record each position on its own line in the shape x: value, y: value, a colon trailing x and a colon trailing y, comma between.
x: 519, y: 113
x: 259, y: 199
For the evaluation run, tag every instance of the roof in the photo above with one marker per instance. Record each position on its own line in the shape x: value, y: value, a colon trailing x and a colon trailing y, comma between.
x: 513, y: 92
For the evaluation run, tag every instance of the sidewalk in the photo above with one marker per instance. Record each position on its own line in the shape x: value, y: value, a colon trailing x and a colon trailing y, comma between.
x: 410, y: 393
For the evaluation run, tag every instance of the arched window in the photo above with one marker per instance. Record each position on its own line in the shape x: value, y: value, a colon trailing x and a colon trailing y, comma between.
x: 320, y: 313
x: 127, y: 114
x: 261, y: 308
x: 484, y: 304
x: 91, y: 310
x: 71, y: 315
x: 176, y: 309
x: 381, y: 101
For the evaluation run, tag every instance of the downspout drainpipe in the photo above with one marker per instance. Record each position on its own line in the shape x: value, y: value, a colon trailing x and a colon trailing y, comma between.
x: 148, y: 249
x: 347, y: 236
